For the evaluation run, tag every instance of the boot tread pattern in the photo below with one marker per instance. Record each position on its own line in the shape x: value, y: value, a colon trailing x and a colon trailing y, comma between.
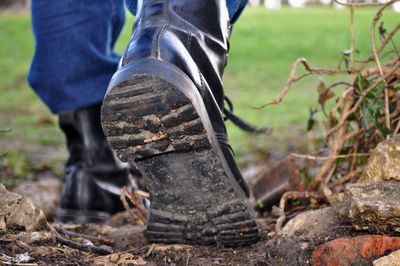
x: 150, y: 122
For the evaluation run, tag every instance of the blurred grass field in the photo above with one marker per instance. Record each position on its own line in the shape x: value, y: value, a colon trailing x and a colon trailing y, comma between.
x: 264, y: 44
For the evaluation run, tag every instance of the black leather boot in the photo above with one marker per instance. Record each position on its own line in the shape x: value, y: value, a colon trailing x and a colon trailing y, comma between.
x: 164, y: 111
x: 93, y: 175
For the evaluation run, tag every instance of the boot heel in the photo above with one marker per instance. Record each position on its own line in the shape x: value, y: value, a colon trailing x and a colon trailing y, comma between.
x: 157, y: 121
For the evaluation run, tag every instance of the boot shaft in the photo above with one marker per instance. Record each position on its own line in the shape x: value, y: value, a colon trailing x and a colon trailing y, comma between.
x: 190, y: 34
x: 209, y: 17
x: 86, y: 142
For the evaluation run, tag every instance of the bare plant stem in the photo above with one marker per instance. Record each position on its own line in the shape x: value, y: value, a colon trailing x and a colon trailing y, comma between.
x: 282, y: 204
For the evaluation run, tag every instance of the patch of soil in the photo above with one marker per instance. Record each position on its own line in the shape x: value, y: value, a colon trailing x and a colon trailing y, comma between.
x: 124, y: 237
x: 129, y: 239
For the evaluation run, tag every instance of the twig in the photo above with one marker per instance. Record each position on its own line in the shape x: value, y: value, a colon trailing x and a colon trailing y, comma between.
x: 378, y: 62
x: 136, y: 202
x: 354, y: 134
x: 357, y: 4
x: 387, y: 112
x: 375, y: 70
x: 151, y: 249
x: 397, y: 129
x: 354, y: 159
x: 69, y: 233
x: 102, y: 250
x: 353, y: 48
x: 389, y: 37
x: 329, y: 176
x: 129, y: 210
x: 362, y: 97
x: 346, y: 178
x: 311, y: 157
x: 293, y: 78
x: 282, y: 204
x: 338, y: 84
x: 335, y: 145
x: 187, y: 258
x: 377, y: 16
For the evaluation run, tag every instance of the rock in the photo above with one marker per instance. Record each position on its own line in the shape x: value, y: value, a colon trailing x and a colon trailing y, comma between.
x: 44, y: 193
x: 312, y: 224
x: 360, y: 250
x: 128, y: 236
x: 17, y: 259
x: 389, y: 260
x: 271, y: 185
x: 17, y: 212
x: 373, y: 207
x: 287, y: 251
x: 373, y: 203
x: 33, y: 238
x: 384, y: 162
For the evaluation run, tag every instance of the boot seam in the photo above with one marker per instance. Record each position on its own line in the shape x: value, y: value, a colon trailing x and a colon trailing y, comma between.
x: 157, y: 41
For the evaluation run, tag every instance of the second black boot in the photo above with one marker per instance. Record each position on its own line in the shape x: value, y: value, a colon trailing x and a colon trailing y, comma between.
x: 94, y: 176
x: 164, y: 111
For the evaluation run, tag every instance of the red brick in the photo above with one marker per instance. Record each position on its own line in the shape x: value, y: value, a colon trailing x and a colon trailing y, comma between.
x: 351, y: 251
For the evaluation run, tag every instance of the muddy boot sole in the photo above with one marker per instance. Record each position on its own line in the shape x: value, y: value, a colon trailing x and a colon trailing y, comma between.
x: 154, y: 117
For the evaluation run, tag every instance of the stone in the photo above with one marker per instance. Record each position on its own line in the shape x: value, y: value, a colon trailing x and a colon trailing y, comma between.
x: 32, y: 238
x: 17, y: 259
x: 128, y: 236
x: 389, y: 260
x: 44, y: 193
x: 312, y: 224
x: 373, y: 207
x: 359, y: 250
x: 272, y: 184
x: 384, y: 162
x: 17, y: 212
x: 286, y: 250
x: 36, y: 238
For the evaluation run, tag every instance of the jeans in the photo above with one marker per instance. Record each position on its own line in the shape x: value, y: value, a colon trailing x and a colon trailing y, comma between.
x: 74, y: 58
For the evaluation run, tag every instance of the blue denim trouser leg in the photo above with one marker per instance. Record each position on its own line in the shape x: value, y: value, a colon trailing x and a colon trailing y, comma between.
x: 74, y: 59
x: 235, y: 7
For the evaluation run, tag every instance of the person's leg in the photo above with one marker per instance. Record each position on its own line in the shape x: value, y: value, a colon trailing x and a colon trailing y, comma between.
x: 74, y: 59
x: 72, y: 66
x: 235, y: 7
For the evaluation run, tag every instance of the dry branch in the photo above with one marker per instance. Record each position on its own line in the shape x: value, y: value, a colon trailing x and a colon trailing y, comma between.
x: 135, y: 199
x: 367, y: 112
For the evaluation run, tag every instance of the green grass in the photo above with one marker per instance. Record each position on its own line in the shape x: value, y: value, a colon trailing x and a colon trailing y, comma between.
x: 263, y: 47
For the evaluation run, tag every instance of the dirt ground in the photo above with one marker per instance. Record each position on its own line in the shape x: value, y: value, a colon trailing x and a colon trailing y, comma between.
x: 127, y: 246
x: 121, y: 241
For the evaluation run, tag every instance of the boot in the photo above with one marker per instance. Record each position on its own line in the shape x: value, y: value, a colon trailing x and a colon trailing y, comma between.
x: 94, y: 176
x: 164, y: 111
